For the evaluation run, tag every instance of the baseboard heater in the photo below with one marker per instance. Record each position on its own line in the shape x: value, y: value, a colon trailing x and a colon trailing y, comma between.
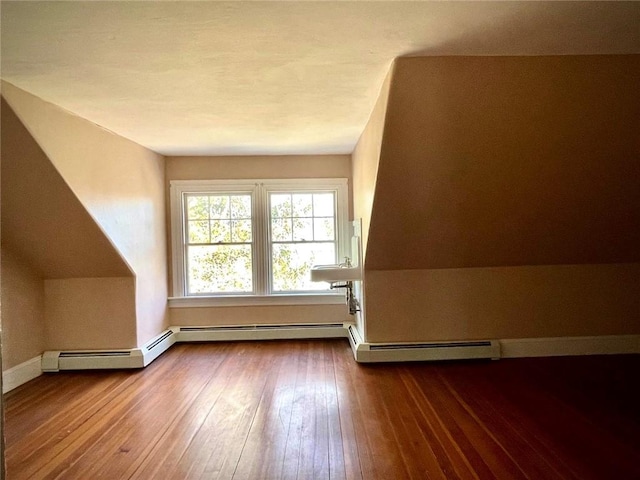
x: 405, y: 352
x: 54, y: 361
x: 262, y: 332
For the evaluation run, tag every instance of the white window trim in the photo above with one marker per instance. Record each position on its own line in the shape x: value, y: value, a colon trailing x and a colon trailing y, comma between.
x: 261, y: 295
x: 329, y: 298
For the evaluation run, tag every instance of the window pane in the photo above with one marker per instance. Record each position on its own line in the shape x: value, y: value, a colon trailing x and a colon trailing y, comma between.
x: 241, y: 231
x: 219, y: 206
x: 280, y: 205
x: 323, y: 229
x: 291, y: 265
x: 219, y: 269
x: 198, y: 231
x: 220, y: 231
x: 240, y: 206
x: 197, y: 207
x: 302, y: 229
x: 302, y: 204
x: 281, y: 230
x: 323, y: 205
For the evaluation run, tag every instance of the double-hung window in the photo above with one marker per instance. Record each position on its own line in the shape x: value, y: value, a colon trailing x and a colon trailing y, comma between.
x: 255, y: 237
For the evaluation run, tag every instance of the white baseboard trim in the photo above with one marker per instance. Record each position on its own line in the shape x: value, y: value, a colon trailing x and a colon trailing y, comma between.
x: 505, y: 348
x: 228, y: 333
x: 563, y: 346
x: 21, y: 374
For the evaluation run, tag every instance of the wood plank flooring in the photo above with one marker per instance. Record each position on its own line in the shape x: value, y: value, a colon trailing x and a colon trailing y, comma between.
x: 306, y: 410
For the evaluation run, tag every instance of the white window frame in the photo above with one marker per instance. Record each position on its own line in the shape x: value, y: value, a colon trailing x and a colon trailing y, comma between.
x: 261, y: 244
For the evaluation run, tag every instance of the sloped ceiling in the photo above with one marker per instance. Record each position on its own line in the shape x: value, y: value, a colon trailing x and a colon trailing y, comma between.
x: 535, y: 165
x: 241, y: 77
x: 42, y: 220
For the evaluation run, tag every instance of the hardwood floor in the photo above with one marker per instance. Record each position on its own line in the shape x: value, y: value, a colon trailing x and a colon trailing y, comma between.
x: 305, y: 410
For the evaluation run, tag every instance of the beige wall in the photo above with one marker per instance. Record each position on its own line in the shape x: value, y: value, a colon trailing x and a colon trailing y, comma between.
x: 365, y: 159
x: 56, y: 239
x: 276, y: 166
x: 503, y: 302
x: 122, y: 186
x: 207, y: 316
x: 90, y: 313
x: 23, y: 318
x: 507, y: 201
x: 364, y: 162
x: 199, y: 168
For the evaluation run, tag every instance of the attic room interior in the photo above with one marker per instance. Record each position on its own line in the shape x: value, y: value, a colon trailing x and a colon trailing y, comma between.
x: 171, y: 171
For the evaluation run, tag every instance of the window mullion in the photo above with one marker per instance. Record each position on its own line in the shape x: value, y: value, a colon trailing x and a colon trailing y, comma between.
x: 260, y: 241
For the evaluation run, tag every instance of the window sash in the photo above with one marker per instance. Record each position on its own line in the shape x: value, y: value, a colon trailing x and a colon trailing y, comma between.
x: 291, y: 215
x: 225, y: 242
x: 261, y: 218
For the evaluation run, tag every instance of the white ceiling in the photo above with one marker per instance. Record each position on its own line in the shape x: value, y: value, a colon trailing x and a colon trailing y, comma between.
x: 218, y: 78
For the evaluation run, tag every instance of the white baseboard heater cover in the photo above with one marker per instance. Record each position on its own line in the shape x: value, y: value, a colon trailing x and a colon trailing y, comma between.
x: 159, y: 345
x: 423, y: 351
x: 262, y: 332
x: 54, y: 361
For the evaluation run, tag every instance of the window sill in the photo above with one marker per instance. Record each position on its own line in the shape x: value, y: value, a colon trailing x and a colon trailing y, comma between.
x: 256, y: 300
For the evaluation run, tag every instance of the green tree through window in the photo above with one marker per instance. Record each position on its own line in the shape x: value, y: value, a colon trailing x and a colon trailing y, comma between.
x: 219, y: 255
x: 302, y: 235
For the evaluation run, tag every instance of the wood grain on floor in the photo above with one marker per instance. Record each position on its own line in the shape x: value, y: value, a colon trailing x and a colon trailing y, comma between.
x: 306, y: 410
